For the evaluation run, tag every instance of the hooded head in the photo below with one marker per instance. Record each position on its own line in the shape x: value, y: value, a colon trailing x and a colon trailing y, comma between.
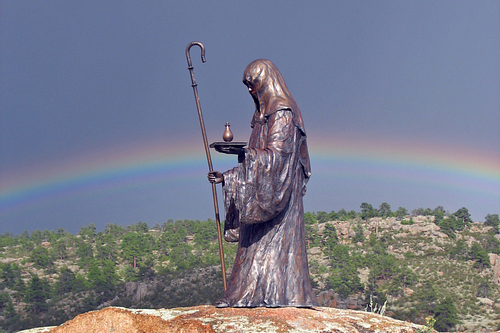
x: 269, y: 91
x: 270, y: 94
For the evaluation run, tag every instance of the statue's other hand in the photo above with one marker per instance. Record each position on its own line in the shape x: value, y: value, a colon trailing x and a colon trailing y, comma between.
x: 215, y: 177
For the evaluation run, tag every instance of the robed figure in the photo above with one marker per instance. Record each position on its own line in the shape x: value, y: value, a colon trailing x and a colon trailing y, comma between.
x: 263, y: 200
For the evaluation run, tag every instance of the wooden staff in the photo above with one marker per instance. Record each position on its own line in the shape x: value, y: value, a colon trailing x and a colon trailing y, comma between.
x: 207, y: 151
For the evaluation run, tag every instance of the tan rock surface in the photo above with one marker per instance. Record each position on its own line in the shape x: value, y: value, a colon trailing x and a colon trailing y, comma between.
x: 495, y: 265
x: 210, y: 319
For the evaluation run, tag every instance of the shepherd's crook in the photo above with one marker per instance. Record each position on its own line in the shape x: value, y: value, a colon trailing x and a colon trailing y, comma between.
x: 207, y: 151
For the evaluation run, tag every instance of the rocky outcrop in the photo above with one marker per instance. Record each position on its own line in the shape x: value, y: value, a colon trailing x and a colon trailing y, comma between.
x: 333, y: 300
x: 213, y: 320
x: 421, y: 225
x: 138, y: 291
x: 495, y: 265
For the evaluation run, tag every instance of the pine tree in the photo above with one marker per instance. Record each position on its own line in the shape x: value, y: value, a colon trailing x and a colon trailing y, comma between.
x: 20, y: 290
x: 480, y: 255
x: 446, y: 315
x: 37, y: 294
x: 492, y: 220
x: 367, y: 211
x: 66, y: 281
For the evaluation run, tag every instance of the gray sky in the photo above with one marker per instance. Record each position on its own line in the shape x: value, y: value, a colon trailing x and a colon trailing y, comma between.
x: 400, y: 99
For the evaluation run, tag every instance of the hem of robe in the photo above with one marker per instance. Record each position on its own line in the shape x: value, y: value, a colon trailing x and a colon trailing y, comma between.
x: 223, y: 304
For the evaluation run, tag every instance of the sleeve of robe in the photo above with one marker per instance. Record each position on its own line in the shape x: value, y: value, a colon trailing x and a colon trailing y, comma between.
x: 260, y: 187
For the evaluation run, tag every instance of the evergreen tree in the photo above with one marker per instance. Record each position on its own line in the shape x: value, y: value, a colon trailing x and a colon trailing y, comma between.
x: 36, y: 236
x: 102, y: 277
x: 85, y: 253
x: 10, y: 272
x: 351, y: 214
x: 49, y: 236
x: 310, y: 218
x: 322, y: 217
x: 19, y: 290
x: 106, y: 248
x: 205, y: 233
x: 140, y: 227
x: 181, y: 257
x: 312, y: 237
x: 37, y: 293
x: 40, y: 257
x: 463, y: 218
x: 426, y: 298
x: 459, y: 251
x: 66, y: 281
x: 109, y: 275
x: 404, y: 278
x: 25, y: 234
x: 344, y: 278
x: 492, y: 220
x: 136, y: 245
x: 61, y: 233
x: 94, y: 274
x: 417, y: 211
x: 384, y: 210
x: 80, y: 283
x: 341, y: 214
x: 89, y: 232
x: 113, y: 229
x: 439, y: 213
x: 60, y: 248
x: 401, y: 212
x: 367, y: 211
x: 4, y: 299
x: 345, y: 281
x: 9, y: 311
x: 448, y: 226
x: 7, y: 240
x: 332, y: 216
x: 145, y: 269
x: 446, y: 315
x: 359, y: 235
x: 491, y: 244
x: 480, y: 256
x: 330, y: 238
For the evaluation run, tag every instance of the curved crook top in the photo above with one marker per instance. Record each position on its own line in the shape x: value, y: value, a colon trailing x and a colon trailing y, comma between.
x: 188, y: 57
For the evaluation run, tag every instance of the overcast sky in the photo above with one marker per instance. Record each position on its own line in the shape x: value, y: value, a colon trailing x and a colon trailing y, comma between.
x: 400, y: 100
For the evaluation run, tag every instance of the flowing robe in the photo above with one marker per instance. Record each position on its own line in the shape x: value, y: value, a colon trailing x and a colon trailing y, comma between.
x: 264, y: 213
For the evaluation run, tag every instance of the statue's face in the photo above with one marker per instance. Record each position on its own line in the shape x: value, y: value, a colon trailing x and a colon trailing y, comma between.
x: 253, y: 80
x: 253, y: 93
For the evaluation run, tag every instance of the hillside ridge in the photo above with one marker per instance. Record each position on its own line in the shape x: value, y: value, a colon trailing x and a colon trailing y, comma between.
x: 408, y: 267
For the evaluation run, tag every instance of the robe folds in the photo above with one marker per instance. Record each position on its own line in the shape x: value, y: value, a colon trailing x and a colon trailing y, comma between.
x: 265, y: 214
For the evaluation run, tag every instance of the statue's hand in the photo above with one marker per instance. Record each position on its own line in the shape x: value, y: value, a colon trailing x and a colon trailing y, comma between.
x: 229, y: 150
x: 215, y: 177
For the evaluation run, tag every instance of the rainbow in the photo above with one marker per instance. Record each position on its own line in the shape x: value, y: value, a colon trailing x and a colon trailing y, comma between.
x: 432, y: 164
x: 109, y: 168
x: 117, y: 168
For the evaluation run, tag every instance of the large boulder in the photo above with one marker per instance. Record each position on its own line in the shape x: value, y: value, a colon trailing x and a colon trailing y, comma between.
x: 210, y: 319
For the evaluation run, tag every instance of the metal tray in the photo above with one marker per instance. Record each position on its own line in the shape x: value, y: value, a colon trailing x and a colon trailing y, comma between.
x: 228, y: 144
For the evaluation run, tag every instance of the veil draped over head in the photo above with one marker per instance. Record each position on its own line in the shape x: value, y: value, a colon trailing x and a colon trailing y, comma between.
x: 270, y: 94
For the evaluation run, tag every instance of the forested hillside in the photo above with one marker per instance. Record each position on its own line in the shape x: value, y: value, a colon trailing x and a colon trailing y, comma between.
x: 430, y: 263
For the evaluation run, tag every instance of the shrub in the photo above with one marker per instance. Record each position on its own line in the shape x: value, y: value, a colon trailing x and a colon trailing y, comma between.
x: 407, y: 222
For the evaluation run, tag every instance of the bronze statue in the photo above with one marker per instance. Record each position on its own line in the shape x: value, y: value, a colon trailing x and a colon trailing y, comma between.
x: 263, y: 200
